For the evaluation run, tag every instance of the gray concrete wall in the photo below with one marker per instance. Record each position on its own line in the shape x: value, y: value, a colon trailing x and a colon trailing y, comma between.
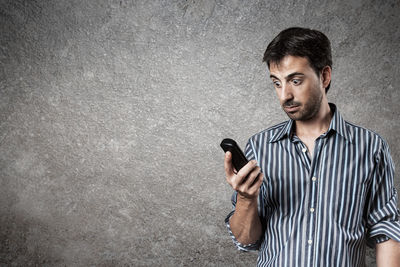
x: 111, y: 115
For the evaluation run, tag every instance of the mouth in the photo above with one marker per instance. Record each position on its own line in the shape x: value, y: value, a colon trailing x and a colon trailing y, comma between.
x: 291, y: 109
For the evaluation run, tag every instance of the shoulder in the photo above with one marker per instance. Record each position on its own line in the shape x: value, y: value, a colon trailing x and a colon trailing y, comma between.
x: 361, y: 134
x: 267, y: 134
x: 260, y: 141
x: 364, y: 138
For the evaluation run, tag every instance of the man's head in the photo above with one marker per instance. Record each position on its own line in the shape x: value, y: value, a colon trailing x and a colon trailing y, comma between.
x: 301, y: 42
x: 300, y: 90
x: 299, y: 61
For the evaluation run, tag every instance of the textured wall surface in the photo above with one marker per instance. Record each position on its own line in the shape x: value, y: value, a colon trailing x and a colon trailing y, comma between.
x: 111, y: 115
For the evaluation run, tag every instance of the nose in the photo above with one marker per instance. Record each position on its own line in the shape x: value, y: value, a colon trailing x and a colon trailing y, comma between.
x: 286, y: 92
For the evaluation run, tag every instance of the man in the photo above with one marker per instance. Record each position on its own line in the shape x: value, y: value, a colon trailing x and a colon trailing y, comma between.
x: 317, y: 189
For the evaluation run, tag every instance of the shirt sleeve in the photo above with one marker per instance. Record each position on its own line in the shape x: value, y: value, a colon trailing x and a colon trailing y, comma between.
x: 253, y: 246
x: 383, y: 218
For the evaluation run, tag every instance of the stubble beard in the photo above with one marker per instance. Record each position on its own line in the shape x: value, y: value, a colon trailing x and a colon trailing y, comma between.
x: 309, y: 110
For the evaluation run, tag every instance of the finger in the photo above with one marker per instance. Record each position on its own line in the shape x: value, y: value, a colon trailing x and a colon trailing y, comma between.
x: 258, y: 181
x: 239, y: 180
x: 255, y: 188
x: 252, y: 177
x: 246, y: 170
x: 229, y: 171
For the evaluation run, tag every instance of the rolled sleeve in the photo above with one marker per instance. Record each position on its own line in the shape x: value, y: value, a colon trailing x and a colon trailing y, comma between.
x: 383, y: 219
x: 240, y: 246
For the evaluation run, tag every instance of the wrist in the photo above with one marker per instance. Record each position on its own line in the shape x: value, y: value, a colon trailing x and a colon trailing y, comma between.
x: 245, y: 200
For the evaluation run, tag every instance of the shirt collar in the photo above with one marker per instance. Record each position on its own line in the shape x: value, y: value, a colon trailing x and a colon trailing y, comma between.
x: 285, y: 131
x: 338, y: 124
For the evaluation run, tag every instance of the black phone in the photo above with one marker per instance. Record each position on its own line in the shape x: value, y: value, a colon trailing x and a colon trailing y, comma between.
x: 238, y: 157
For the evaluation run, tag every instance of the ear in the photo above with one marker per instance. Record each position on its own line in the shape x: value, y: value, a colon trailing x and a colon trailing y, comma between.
x: 326, y: 76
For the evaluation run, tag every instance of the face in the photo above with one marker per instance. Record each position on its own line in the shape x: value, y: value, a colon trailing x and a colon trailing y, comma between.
x: 300, y: 90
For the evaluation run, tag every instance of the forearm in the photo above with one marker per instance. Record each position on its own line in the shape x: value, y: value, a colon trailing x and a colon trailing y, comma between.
x: 245, y: 223
x: 388, y: 254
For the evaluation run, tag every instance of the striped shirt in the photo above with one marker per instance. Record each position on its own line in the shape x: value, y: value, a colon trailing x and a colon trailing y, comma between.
x: 325, y: 210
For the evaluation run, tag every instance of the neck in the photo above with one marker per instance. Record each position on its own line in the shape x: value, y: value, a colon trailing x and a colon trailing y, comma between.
x: 316, y: 126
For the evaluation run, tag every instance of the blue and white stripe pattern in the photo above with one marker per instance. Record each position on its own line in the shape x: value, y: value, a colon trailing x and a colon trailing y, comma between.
x: 324, y: 211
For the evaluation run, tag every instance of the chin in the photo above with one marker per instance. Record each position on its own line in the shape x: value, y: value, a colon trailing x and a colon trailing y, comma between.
x: 297, y: 116
x: 292, y: 116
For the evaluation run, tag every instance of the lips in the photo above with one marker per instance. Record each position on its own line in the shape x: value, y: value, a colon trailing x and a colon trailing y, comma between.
x: 291, y: 108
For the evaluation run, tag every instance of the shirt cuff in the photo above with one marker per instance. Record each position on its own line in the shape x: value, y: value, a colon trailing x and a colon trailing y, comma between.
x: 384, y: 231
x: 248, y: 247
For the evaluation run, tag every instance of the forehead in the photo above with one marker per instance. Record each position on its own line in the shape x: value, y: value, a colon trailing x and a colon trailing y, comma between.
x: 290, y: 64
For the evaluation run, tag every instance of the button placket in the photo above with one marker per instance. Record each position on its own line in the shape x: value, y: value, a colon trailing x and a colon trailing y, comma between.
x: 300, y: 148
x: 314, y: 193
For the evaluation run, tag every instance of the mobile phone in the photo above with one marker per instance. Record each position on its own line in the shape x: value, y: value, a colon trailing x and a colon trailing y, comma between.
x: 238, y: 157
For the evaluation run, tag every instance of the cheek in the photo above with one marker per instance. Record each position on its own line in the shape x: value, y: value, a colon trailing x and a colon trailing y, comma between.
x: 278, y: 92
x: 306, y: 90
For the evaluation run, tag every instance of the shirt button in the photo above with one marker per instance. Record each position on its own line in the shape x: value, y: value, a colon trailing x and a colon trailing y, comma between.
x: 310, y: 242
x: 304, y: 150
x: 314, y: 178
x: 312, y: 209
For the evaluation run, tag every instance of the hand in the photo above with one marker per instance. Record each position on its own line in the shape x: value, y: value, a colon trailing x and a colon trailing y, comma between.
x: 247, y: 181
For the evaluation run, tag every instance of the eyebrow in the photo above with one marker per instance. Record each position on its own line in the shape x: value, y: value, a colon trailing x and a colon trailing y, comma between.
x: 291, y: 75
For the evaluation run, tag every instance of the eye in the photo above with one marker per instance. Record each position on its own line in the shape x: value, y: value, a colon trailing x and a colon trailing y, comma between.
x: 276, y: 83
x: 296, y: 81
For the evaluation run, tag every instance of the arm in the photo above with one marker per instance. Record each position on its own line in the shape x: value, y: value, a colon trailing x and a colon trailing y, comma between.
x: 245, y: 222
x: 383, y: 219
x: 388, y: 254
